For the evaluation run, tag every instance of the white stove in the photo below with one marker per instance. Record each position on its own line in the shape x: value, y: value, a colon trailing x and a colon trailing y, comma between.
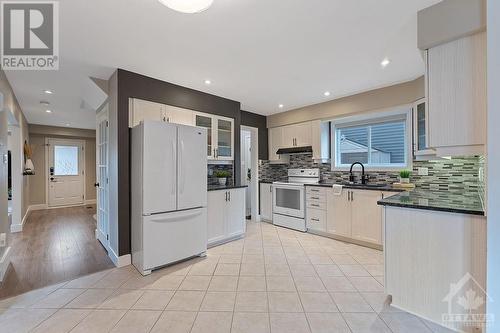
x: 289, y: 198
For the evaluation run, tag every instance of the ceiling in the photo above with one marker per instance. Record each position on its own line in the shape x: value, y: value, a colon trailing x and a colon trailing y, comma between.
x: 260, y: 52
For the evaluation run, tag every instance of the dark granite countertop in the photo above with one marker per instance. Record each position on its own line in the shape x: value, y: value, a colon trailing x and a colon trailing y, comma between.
x: 372, y: 187
x: 445, y: 201
x: 265, y: 181
x: 224, y: 187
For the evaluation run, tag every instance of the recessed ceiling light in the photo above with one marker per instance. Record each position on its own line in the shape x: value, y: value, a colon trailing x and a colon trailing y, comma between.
x: 385, y: 62
x: 48, y: 111
x: 49, y: 92
x: 208, y: 82
x: 187, y: 6
x: 326, y: 93
x: 281, y: 106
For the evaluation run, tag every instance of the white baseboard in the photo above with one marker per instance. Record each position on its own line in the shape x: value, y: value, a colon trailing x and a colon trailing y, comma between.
x: 4, y: 263
x: 90, y: 202
x: 19, y: 227
x: 120, y: 261
x: 38, y: 207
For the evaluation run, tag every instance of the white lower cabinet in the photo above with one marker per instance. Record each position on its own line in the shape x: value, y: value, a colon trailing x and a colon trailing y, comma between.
x: 366, y: 217
x: 339, y: 213
x: 266, y: 201
x: 354, y: 214
x: 226, y: 215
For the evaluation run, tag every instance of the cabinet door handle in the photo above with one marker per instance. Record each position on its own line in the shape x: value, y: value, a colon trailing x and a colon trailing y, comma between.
x: 348, y: 195
x: 226, y: 196
x: 271, y: 188
x: 352, y: 196
x: 229, y: 195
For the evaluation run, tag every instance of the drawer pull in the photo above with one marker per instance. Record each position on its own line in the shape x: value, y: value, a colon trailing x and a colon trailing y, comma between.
x: 315, y: 205
x: 315, y: 198
x: 317, y: 220
x: 314, y: 190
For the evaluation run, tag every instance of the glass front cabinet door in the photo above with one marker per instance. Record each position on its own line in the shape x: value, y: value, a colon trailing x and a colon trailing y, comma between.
x: 421, y: 129
x: 225, y: 132
x: 220, y: 132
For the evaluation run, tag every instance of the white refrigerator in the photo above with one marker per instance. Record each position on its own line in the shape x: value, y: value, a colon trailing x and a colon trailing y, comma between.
x: 168, y: 194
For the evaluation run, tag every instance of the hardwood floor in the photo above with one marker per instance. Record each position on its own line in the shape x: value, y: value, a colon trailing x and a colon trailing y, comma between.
x: 55, y: 245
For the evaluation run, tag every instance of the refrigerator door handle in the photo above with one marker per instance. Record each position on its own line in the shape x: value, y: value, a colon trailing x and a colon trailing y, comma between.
x: 182, y: 176
x: 173, y: 169
x: 178, y: 216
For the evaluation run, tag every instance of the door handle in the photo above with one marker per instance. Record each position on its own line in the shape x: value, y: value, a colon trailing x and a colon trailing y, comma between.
x: 183, y: 175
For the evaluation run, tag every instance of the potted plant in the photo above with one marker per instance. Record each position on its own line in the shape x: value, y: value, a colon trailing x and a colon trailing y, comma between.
x: 404, y: 176
x: 222, y: 175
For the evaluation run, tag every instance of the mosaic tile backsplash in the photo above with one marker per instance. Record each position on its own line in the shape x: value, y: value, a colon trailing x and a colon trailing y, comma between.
x: 443, y: 175
x: 211, y: 168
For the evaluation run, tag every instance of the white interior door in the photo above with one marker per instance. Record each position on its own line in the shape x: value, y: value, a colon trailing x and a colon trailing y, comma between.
x: 102, y: 183
x: 66, y: 172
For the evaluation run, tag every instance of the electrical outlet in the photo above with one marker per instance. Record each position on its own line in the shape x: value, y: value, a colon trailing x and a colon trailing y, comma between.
x: 3, y: 240
x: 423, y: 171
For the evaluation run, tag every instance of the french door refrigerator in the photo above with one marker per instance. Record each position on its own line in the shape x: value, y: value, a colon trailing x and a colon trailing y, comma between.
x: 168, y: 194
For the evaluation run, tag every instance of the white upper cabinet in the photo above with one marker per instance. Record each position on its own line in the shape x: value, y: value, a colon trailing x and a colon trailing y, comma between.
x: 297, y: 135
x: 178, y: 116
x: 320, y: 140
x: 220, y: 132
x: 456, y: 93
x: 140, y: 110
x: 275, y: 139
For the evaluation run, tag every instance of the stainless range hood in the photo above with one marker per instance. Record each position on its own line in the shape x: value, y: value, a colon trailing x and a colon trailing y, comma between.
x: 295, y: 150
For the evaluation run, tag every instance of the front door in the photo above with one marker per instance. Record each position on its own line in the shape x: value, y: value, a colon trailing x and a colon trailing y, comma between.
x: 66, y: 172
x: 102, y: 184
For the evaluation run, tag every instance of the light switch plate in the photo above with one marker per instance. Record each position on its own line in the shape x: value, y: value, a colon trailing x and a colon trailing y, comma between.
x: 423, y: 171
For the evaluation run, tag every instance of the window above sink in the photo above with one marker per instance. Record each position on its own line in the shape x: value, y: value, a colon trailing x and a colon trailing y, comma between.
x: 380, y: 140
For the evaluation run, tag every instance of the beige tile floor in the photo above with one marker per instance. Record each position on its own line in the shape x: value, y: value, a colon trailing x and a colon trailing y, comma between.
x: 273, y: 280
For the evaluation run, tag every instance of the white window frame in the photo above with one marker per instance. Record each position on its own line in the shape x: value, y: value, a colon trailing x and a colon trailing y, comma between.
x: 403, y: 111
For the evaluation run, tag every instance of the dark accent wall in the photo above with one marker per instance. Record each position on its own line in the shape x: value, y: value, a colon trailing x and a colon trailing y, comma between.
x: 256, y: 120
x: 133, y: 85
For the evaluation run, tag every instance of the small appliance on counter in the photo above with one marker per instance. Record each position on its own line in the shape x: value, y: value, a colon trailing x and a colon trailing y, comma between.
x: 289, y: 198
x: 168, y: 194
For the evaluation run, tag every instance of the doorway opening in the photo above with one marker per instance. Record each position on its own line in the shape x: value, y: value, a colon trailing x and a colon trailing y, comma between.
x: 249, y: 169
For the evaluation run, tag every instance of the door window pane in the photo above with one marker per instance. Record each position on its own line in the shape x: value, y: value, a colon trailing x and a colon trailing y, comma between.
x: 66, y: 160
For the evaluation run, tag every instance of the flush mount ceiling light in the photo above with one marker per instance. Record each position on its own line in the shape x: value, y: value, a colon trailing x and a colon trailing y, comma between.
x: 385, y: 62
x: 281, y: 106
x: 44, y: 103
x: 187, y: 6
x: 48, y: 111
x: 326, y: 93
x: 208, y: 82
x: 48, y: 92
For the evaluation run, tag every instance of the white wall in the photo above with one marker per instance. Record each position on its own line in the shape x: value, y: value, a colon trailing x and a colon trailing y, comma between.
x: 493, y: 191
